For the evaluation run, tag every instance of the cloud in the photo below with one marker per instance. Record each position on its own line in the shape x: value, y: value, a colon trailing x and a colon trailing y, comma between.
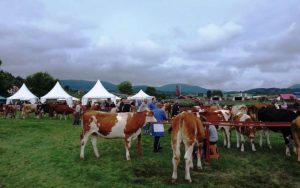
x: 212, y: 38
x: 77, y: 43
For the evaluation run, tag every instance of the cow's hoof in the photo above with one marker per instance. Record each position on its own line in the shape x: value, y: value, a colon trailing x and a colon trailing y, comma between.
x: 82, y: 158
x: 188, y: 180
x: 173, y: 181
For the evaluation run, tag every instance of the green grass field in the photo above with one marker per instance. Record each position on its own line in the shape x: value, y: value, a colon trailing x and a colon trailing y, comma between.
x: 45, y: 153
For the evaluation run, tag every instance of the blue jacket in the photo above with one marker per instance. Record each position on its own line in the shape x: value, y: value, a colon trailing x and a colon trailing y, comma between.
x: 160, y: 116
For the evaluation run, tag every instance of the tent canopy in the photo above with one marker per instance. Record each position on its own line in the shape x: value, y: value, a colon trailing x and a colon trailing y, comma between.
x: 98, y: 92
x: 23, y: 94
x: 57, y: 92
x: 141, y: 95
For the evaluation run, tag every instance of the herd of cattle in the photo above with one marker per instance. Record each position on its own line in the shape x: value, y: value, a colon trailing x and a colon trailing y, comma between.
x: 187, y: 127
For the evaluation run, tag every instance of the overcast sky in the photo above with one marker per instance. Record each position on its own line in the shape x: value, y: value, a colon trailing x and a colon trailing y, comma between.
x: 228, y: 44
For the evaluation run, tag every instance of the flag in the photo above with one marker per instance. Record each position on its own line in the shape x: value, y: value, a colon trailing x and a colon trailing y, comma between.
x: 177, y: 93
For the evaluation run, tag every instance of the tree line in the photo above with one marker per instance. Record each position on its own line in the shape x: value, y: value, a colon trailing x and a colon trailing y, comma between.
x: 41, y: 83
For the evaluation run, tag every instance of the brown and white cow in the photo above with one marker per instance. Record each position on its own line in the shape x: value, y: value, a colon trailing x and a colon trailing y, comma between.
x: 296, y: 135
x: 219, y: 115
x: 242, y: 131
x: 60, y: 109
x: 27, y: 109
x: 186, y: 128
x: 114, y: 125
x: 9, y: 110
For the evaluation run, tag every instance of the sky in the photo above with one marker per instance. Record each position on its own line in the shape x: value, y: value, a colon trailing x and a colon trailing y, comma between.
x: 228, y: 45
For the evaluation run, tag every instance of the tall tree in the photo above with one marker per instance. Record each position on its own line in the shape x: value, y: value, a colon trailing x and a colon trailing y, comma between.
x: 40, y: 83
x: 125, y: 87
x: 151, y: 91
x: 7, y: 81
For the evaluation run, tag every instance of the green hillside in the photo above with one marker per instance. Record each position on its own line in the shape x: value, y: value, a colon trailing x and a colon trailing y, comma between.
x: 169, y: 88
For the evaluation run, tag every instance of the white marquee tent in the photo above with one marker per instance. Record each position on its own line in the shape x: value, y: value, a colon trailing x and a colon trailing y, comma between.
x: 141, y: 95
x: 23, y: 94
x: 58, y: 93
x: 98, y: 92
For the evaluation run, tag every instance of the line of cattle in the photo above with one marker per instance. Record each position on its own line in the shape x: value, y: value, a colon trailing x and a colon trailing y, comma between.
x: 187, y: 127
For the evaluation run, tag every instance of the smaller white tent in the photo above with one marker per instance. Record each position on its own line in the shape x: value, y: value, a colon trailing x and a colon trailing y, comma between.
x: 141, y: 95
x: 23, y: 94
x: 98, y: 92
x: 58, y: 93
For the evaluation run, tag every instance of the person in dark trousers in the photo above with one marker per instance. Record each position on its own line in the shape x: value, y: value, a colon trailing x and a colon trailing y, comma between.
x: 126, y: 106
x: 77, y: 113
x: 158, y: 128
x: 121, y: 104
x: 175, y: 109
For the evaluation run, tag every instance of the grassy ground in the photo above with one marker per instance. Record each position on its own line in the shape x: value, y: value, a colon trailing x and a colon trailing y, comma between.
x: 45, y: 153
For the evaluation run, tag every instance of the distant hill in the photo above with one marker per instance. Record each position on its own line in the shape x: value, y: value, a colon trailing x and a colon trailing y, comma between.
x: 185, y: 88
x: 169, y: 88
x: 87, y: 85
x: 296, y: 86
x: 272, y: 91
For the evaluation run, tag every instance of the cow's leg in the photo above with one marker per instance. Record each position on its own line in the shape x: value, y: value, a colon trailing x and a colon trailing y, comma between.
x: 287, y: 143
x: 191, y: 165
x: 127, y: 147
x: 227, y: 132
x: 267, y: 134
x: 139, y: 148
x: 261, y: 137
x: 199, y: 164
x: 175, y: 159
x: 94, y: 143
x: 252, y: 144
x: 224, y: 137
x: 238, y: 139
x: 187, y: 157
x: 242, y: 142
x: 83, y: 143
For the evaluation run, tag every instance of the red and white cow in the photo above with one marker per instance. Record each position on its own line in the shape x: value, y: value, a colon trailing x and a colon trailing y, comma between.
x: 296, y: 135
x: 219, y: 115
x: 248, y: 131
x: 27, y: 109
x: 186, y: 128
x: 113, y: 125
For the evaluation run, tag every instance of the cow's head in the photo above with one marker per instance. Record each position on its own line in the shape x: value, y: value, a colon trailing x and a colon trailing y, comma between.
x: 248, y: 129
x: 149, y: 116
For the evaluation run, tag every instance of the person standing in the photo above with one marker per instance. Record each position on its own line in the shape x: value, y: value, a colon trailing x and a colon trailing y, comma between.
x: 158, y: 128
x: 77, y: 114
x: 143, y: 106
x: 126, y: 106
x: 175, y: 109
x: 152, y: 105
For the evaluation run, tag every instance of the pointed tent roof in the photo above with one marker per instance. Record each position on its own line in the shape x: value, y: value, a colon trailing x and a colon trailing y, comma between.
x: 97, y: 92
x: 23, y: 94
x: 57, y: 92
x: 140, y: 96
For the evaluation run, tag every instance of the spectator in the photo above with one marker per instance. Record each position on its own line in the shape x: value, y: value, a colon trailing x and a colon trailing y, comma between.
x: 120, y: 105
x: 152, y: 105
x: 213, y: 138
x: 175, y: 109
x: 158, y: 128
x: 77, y: 114
x: 143, y: 106
x: 126, y: 106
